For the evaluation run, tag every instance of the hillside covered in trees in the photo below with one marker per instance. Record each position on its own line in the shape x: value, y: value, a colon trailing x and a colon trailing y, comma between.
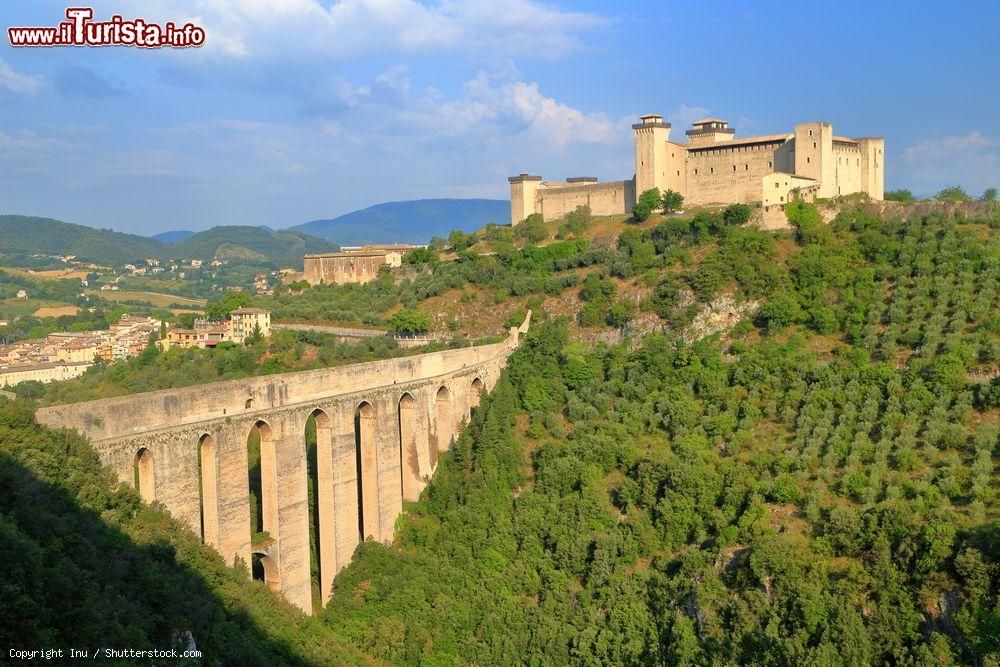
x: 814, y: 482
x: 816, y: 487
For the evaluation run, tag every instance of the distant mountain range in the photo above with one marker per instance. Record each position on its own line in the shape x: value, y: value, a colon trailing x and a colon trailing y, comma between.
x: 409, y: 221
x: 249, y: 245
x: 26, y: 235
x: 22, y: 235
x: 402, y: 221
x: 172, y: 237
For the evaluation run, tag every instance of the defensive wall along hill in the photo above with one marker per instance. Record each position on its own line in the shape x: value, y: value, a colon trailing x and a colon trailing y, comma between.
x: 379, y: 428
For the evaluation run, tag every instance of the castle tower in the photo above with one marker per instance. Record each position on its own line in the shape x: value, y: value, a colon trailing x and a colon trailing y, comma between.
x: 872, y: 166
x: 523, y: 189
x: 814, y: 156
x: 651, y: 168
x: 709, y: 131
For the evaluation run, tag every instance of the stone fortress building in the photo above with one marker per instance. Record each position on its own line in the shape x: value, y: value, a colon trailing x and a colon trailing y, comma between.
x: 351, y: 265
x: 714, y: 167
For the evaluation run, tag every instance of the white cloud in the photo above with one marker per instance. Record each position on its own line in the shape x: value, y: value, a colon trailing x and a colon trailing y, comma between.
x: 353, y: 28
x: 969, y: 144
x: 502, y: 105
x: 972, y: 160
x: 30, y: 141
x: 685, y: 115
x: 24, y: 84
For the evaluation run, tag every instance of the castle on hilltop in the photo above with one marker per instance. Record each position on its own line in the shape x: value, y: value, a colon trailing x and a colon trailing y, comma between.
x: 714, y: 167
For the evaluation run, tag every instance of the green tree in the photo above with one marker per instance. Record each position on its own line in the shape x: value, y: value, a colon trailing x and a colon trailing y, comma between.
x: 648, y: 202
x: 578, y: 219
x: 407, y: 321
x: 990, y: 194
x: 532, y: 228
x: 621, y: 313
x: 901, y: 195
x: 256, y: 336
x: 737, y: 214
x: 229, y: 302
x: 419, y: 256
x: 459, y: 240
x: 952, y: 193
x: 671, y: 201
x: 808, y: 223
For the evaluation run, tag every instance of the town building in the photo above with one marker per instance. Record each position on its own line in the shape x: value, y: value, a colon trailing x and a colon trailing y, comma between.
x: 243, y: 322
x: 713, y: 167
x: 62, y: 355
x: 208, y: 333
x: 352, y: 265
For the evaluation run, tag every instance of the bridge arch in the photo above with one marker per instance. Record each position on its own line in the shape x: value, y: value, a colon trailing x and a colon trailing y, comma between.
x: 443, y: 419
x: 262, y: 477
x: 144, y: 479
x: 265, y: 569
x: 475, y: 391
x: 364, y: 443
x: 208, y: 489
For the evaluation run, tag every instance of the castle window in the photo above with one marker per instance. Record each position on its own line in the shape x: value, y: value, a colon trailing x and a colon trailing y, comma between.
x: 814, y: 144
x: 781, y: 198
x: 711, y: 170
x: 807, y: 160
x: 810, y: 133
x: 746, y: 167
x: 696, y: 172
x: 734, y: 167
x: 770, y: 165
x: 678, y: 172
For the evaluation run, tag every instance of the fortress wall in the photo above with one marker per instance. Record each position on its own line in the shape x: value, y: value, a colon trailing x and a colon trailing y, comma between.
x: 614, y: 198
x: 728, y: 175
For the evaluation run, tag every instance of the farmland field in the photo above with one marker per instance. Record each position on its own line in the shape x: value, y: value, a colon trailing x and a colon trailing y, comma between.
x: 158, y: 299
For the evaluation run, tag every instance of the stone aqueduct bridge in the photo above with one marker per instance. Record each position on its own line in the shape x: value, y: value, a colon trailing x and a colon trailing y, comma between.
x: 379, y: 428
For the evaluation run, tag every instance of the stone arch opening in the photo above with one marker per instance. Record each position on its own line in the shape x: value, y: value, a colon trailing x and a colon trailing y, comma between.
x: 248, y: 404
x: 142, y: 473
x: 442, y: 419
x: 208, y: 489
x: 265, y: 569
x: 319, y: 480
x: 475, y: 393
x: 409, y: 455
x: 263, y: 483
x: 364, y: 446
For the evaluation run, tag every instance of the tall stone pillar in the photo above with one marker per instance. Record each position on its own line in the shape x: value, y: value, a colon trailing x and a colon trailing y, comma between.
x: 234, y: 492
x: 345, y: 483
x: 326, y: 504
x: 293, y: 509
x: 387, y: 455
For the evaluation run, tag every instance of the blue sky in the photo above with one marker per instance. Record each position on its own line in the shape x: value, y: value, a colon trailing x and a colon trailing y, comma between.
x: 302, y: 109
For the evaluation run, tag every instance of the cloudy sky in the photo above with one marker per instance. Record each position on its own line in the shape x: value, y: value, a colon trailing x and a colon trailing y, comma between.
x: 302, y: 109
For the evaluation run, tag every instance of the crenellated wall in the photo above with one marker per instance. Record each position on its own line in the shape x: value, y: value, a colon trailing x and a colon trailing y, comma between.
x: 379, y: 429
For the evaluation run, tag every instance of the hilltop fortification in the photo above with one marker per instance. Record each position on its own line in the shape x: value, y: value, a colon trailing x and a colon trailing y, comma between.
x: 714, y: 167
